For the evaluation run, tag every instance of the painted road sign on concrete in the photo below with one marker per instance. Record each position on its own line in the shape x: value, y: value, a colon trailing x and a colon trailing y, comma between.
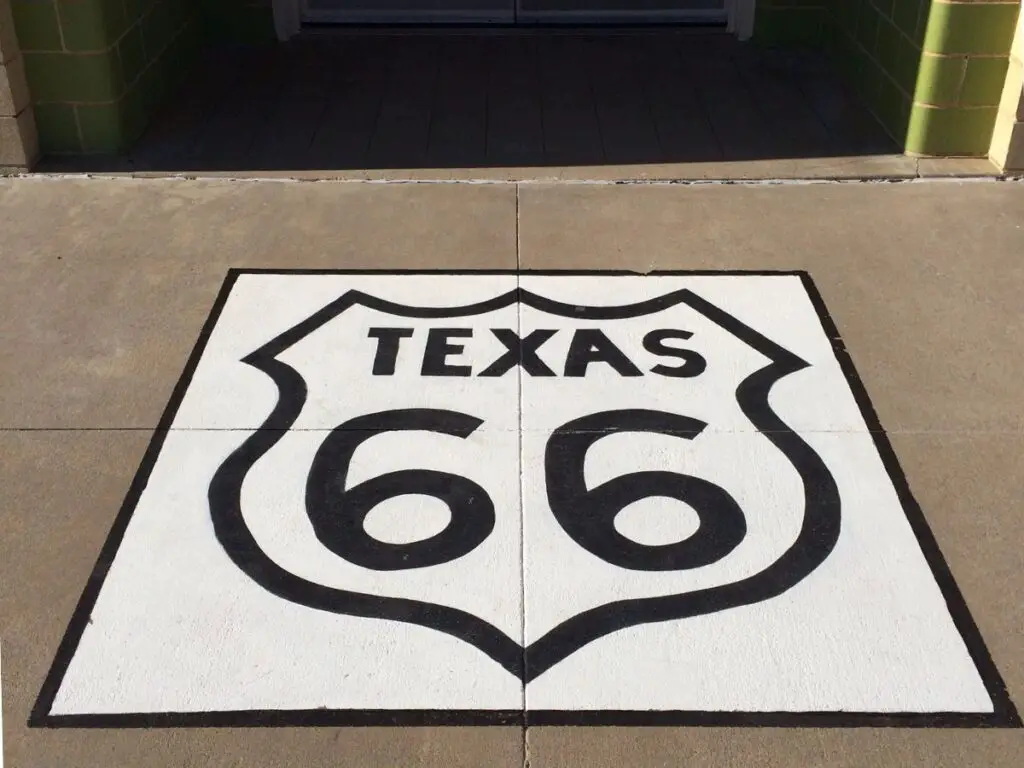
x: 490, y: 497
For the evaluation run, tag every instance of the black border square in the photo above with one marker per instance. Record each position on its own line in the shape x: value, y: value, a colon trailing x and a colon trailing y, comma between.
x: 1005, y: 714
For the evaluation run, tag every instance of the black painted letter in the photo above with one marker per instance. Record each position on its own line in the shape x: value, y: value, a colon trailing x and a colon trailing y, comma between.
x: 693, y: 362
x: 435, y: 356
x: 388, y: 340
x: 520, y: 352
x: 590, y: 345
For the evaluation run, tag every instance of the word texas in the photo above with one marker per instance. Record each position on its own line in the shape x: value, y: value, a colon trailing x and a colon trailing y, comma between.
x: 442, y: 350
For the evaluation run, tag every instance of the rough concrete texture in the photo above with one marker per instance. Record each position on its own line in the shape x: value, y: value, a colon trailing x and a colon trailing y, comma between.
x: 13, y: 87
x: 8, y: 40
x: 19, y: 144
x: 168, y: 248
x: 920, y: 278
x: 885, y: 166
x: 61, y: 491
x: 108, y: 282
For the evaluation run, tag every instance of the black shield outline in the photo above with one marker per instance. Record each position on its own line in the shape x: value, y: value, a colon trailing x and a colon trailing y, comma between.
x: 813, y: 544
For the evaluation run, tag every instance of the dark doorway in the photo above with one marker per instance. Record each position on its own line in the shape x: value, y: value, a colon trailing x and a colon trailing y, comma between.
x: 479, y: 99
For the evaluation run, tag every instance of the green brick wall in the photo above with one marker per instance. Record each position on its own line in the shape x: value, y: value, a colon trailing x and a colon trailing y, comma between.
x: 965, y: 54
x: 791, y: 23
x: 876, y: 45
x: 97, y: 69
x: 246, y: 22
x: 931, y: 71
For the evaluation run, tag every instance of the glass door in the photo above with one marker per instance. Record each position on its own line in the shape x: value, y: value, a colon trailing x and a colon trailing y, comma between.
x: 512, y: 11
x: 409, y: 11
x: 621, y: 11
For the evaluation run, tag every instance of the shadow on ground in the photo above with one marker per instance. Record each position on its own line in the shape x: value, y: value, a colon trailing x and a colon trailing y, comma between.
x: 477, y: 99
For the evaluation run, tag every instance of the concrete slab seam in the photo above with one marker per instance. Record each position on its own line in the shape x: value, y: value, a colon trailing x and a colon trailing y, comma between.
x: 681, y: 182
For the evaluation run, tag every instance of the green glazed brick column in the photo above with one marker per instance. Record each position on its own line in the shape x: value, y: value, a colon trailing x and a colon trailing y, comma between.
x: 963, y: 67
x: 877, y: 46
x: 790, y: 23
x: 18, y: 144
x: 1007, y: 150
x: 97, y: 69
x: 931, y: 71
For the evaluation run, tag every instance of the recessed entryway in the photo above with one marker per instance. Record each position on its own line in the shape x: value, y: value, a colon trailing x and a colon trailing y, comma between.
x: 736, y: 16
x: 654, y: 101
x: 513, y: 11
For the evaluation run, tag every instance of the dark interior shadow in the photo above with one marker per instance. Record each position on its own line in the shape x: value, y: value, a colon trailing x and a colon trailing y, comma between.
x: 493, y: 98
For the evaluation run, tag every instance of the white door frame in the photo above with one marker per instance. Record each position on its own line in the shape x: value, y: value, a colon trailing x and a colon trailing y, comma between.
x: 741, y: 17
x: 288, y: 17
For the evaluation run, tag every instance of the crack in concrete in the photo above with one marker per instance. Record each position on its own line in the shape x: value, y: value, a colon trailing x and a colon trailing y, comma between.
x: 914, y: 177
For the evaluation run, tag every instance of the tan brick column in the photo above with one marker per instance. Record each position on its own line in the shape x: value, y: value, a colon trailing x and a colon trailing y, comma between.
x: 1007, y: 149
x: 19, y: 145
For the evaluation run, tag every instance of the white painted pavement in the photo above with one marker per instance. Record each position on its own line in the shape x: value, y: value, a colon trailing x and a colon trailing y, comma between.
x: 378, y: 489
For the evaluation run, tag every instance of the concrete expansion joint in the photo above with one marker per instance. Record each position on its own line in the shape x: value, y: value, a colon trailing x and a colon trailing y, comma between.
x: 915, y: 178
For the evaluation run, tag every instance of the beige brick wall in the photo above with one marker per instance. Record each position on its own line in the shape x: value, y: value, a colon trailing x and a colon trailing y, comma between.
x: 1007, y: 149
x: 19, y: 145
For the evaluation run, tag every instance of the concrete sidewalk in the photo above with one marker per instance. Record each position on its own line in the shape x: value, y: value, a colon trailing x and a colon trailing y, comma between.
x: 108, y: 282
